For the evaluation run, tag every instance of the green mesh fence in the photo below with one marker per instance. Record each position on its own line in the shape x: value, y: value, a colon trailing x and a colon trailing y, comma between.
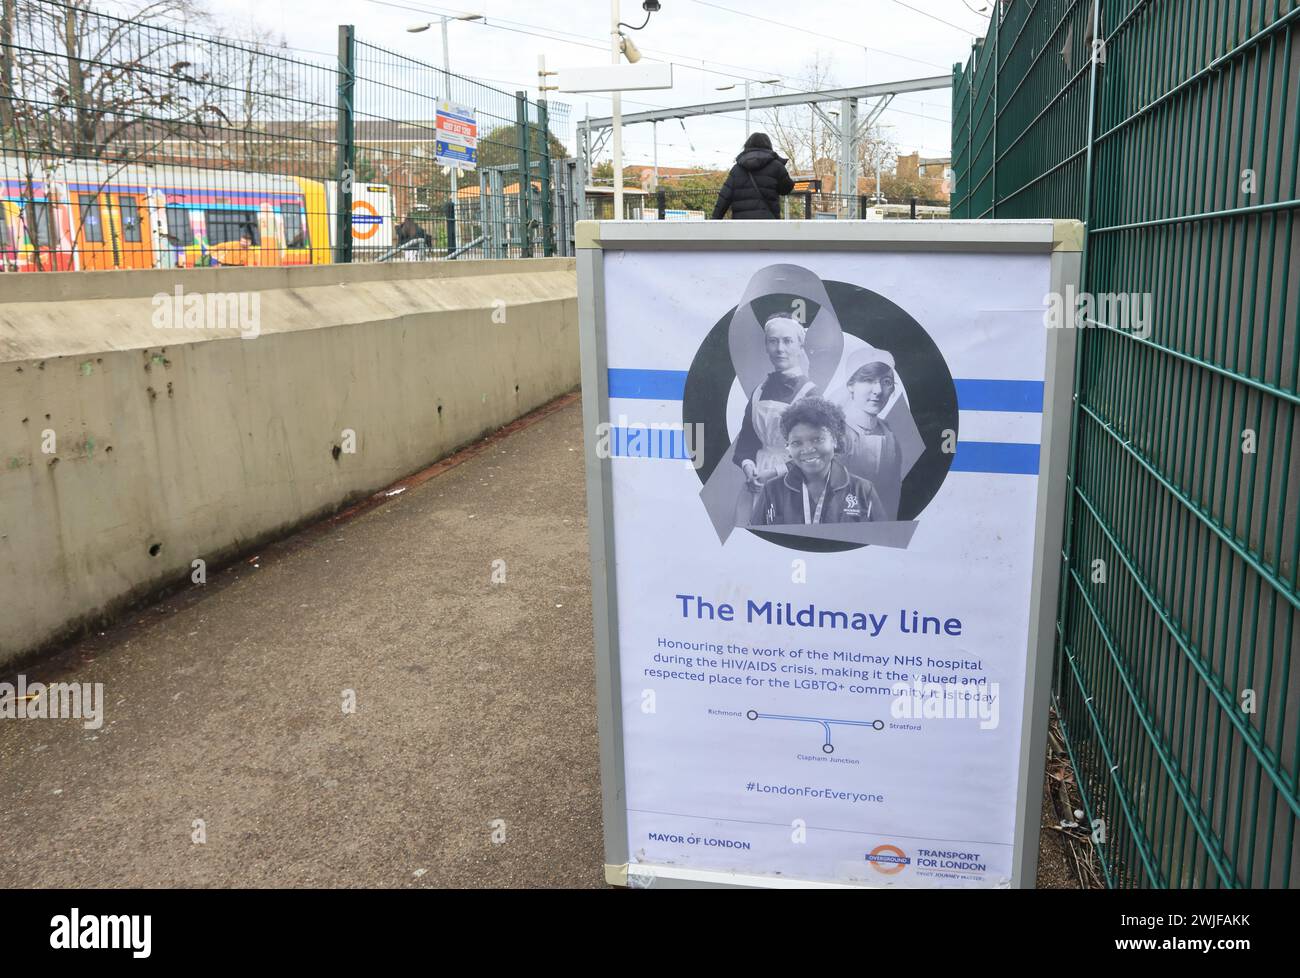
x: 138, y: 142
x: 1172, y: 127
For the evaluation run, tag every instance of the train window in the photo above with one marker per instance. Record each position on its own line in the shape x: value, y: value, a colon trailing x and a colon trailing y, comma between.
x: 130, y: 217
x: 92, y: 226
x: 178, y: 225
x: 296, y: 234
x: 37, y: 223
x: 230, y: 225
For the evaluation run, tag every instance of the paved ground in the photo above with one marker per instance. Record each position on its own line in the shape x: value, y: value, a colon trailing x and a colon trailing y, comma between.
x: 474, y: 702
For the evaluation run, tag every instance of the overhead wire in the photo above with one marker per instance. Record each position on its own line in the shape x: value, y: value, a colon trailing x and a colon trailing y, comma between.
x: 806, y: 30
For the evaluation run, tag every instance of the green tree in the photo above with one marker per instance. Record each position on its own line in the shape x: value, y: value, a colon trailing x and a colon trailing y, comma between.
x: 711, y: 180
x: 500, y: 147
x: 604, y: 173
x: 366, y: 172
x: 899, y: 190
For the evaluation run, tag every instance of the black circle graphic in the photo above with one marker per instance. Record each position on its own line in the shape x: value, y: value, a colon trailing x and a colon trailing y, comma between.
x: 871, y: 317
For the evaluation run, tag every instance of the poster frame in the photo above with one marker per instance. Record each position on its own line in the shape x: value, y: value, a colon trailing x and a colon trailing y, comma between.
x: 1062, y: 241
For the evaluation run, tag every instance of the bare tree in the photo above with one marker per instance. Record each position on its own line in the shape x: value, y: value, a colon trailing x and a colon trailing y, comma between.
x: 104, y: 75
x: 812, y: 143
x: 262, y: 99
x: 80, y: 85
x: 877, y: 152
x: 798, y: 131
x: 8, y: 12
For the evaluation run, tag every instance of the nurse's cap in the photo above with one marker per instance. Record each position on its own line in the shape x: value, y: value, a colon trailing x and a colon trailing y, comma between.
x: 869, y: 364
x: 797, y: 307
x: 784, y: 317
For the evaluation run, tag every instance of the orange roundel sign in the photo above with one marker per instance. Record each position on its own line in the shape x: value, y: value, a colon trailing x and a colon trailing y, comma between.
x: 887, y: 859
x: 365, y: 219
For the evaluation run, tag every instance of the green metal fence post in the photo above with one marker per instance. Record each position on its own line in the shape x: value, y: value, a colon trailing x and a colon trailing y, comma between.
x: 1071, y: 476
x: 345, y: 138
x: 525, y: 177
x: 993, y: 167
x: 970, y: 134
x: 548, y: 214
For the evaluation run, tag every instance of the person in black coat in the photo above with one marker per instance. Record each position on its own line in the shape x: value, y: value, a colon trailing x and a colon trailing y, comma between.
x: 756, y: 183
x: 408, y: 230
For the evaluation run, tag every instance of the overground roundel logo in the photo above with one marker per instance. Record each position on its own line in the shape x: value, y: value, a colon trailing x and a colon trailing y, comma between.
x: 364, y: 213
x: 887, y: 859
x: 877, y: 322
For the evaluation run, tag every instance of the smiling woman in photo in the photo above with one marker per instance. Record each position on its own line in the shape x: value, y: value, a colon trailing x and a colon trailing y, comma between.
x: 816, y: 488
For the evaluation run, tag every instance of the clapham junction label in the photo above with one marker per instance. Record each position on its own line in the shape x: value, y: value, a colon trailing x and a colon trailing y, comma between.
x: 827, y: 638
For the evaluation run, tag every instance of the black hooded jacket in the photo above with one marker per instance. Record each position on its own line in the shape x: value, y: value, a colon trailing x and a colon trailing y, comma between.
x: 756, y: 183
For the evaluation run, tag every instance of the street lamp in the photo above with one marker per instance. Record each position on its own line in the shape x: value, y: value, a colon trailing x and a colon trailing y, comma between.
x: 446, y: 68
x: 748, y: 82
x: 444, y: 20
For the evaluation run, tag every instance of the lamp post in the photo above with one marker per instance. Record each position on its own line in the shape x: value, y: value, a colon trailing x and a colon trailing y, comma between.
x: 748, y: 82
x: 446, y: 67
x: 446, y: 58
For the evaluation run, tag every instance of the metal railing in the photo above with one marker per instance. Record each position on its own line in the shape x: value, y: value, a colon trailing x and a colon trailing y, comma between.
x: 1172, y: 127
x: 697, y: 204
x: 138, y: 143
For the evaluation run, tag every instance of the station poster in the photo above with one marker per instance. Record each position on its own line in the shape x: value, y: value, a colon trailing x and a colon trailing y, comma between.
x: 824, y: 476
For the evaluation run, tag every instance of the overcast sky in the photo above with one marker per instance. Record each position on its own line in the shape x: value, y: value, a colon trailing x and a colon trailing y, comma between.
x: 710, y: 43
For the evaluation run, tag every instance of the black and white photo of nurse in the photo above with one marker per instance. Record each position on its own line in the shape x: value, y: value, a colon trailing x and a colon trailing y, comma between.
x: 761, y: 447
x: 871, y: 448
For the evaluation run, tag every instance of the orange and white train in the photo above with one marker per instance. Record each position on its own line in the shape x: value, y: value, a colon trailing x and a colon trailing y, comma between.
x: 78, y: 214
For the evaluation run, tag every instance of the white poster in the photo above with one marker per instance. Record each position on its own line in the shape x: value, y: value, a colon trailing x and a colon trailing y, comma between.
x: 824, y: 480
x: 456, y: 142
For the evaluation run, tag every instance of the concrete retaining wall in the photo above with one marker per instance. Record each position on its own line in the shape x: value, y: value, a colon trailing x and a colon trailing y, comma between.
x: 171, y: 444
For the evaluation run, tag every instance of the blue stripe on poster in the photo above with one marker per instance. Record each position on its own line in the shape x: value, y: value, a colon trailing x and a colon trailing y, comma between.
x: 972, y: 394
x: 1003, y: 458
x: 649, y: 385
x: 1000, y: 395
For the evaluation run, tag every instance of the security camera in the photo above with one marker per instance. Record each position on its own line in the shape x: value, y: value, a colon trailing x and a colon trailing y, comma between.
x: 630, y: 50
x: 650, y: 6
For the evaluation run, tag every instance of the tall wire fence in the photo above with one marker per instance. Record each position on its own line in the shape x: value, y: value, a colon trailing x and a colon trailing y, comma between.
x: 129, y: 143
x: 1172, y: 127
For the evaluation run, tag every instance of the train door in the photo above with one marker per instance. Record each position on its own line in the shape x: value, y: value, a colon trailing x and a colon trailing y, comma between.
x: 136, y: 244
x: 94, y: 232
x: 10, y: 230
x: 297, y: 233
x: 269, y: 235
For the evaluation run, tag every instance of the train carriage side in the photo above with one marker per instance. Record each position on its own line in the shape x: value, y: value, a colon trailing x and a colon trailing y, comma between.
x: 34, y: 225
x: 99, y: 215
